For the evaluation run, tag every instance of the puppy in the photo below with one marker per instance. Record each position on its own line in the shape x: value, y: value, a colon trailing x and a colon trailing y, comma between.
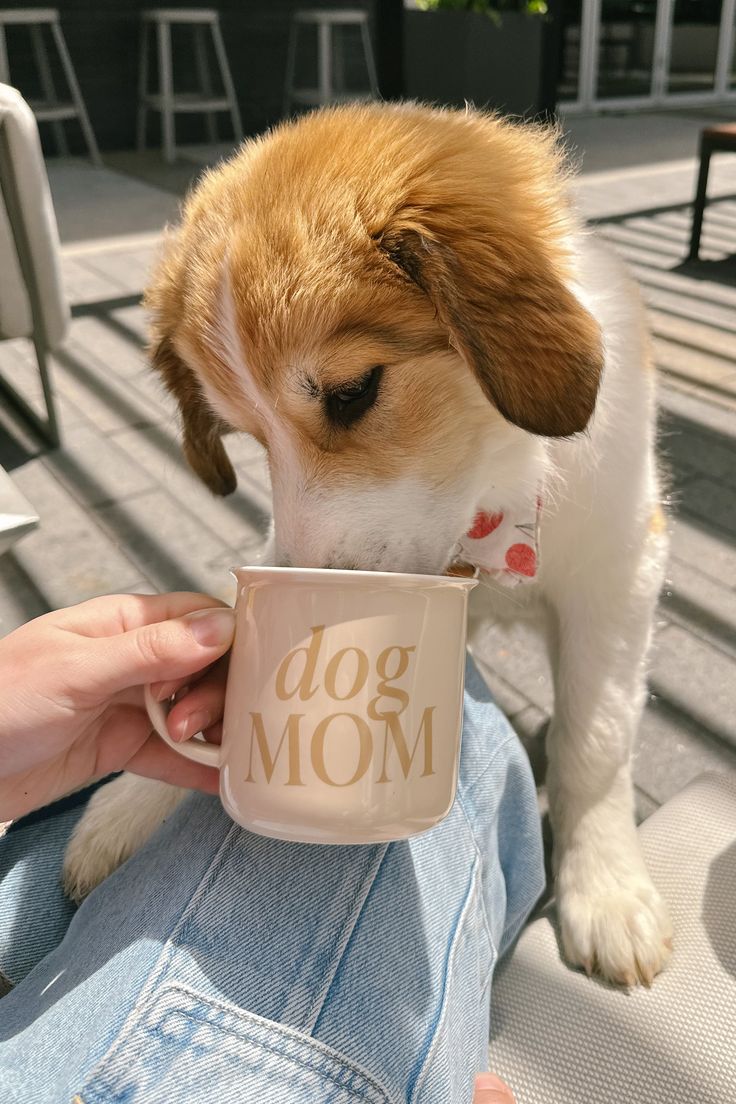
x: 399, y: 304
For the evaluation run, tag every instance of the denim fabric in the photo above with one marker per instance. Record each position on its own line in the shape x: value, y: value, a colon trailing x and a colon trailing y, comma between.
x: 217, y: 965
x: 34, y: 913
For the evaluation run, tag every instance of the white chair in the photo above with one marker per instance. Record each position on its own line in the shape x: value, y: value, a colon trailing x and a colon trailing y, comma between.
x: 51, y: 109
x: 330, y: 57
x: 32, y: 301
x: 165, y: 100
x: 559, y: 1037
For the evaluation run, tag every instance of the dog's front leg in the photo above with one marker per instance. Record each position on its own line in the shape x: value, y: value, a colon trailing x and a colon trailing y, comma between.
x: 612, y: 919
x: 120, y: 817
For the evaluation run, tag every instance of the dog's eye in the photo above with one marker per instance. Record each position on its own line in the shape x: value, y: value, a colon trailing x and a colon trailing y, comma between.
x: 346, y: 404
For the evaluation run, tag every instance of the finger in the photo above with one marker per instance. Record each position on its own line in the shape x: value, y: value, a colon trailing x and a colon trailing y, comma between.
x: 201, y: 708
x: 162, y: 651
x: 118, y: 613
x: 164, y: 691
x: 124, y: 741
x: 213, y: 735
x: 123, y: 729
x: 155, y: 759
x: 490, y: 1089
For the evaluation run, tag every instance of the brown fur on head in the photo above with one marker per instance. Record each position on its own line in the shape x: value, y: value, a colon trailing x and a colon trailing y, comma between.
x: 432, y: 242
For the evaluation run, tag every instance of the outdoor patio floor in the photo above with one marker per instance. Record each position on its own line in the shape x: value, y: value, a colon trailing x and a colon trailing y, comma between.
x: 120, y: 510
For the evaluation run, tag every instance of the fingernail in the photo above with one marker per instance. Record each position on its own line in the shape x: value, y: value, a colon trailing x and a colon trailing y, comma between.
x: 164, y: 691
x: 195, y: 722
x: 490, y: 1089
x: 489, y: 1081
x: 212, y: 627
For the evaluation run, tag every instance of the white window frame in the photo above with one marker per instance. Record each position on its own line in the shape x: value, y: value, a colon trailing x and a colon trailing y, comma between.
x: 659, y: 94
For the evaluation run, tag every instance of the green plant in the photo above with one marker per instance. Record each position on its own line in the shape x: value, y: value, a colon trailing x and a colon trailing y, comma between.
x: 492, y: 8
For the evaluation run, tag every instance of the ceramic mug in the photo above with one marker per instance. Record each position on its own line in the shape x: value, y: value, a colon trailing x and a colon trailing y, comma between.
x: 343, y: 706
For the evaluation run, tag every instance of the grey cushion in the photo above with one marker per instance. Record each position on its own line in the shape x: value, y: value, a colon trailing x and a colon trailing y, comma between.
x: 559, y: 1037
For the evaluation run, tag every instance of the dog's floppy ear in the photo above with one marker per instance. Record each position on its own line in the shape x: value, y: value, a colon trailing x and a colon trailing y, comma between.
x: 202, y: 429
x: 535, y: 351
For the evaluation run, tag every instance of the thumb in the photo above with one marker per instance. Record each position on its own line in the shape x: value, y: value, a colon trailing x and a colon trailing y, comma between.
x: 165, y: 650
x: 490, y: 1089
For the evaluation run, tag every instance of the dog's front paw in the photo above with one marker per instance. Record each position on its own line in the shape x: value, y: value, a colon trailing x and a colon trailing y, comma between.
x: 91, y: 856
x: 118, y: 820
x: 617, y: 929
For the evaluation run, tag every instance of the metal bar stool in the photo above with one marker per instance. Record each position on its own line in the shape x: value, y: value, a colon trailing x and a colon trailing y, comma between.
x: 330, y: 64
x: 165, y: 100
x: 714, y: 139
x: 51, y: 109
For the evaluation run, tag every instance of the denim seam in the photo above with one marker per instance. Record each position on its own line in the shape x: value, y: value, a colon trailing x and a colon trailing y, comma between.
x: 312, y: 1020
x: 512, y: 738
x: 482, y: 866
x: 329, y: 1054
x: 164, y: 956
x: 424, y: 1068
x: 461, y: 805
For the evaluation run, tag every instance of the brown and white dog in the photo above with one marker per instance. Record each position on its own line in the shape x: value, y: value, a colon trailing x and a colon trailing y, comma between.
x: 399, y: 304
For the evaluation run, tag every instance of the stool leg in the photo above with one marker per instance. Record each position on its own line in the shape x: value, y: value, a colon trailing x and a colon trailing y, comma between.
x: 71, y: 78
x: 47, y: 87
x: 140, y: 129
x: 203, y: 78
x: 324, y: 32
x: 50, y: 431
x: 699, y: 205
x: 290, y: 69
x: 166, y: 89
x: 338, y: 58
x: 227, y: 81
x: 4, y: 67
x: 369, y: 59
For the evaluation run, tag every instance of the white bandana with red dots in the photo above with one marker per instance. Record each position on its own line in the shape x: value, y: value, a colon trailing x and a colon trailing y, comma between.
x: 505, y: 543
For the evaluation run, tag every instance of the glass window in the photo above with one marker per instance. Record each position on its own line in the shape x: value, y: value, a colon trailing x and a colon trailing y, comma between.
x: 626, y: 48
x: 694, y: 45
x: 568, y: 81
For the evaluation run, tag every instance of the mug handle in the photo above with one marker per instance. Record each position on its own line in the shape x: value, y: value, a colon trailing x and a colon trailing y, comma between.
x: 198, y: 750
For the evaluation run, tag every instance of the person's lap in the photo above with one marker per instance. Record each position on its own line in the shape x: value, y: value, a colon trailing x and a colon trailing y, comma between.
x: 217, y: 965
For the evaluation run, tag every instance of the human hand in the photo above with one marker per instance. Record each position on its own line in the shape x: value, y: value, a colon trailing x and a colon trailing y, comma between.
x: 71, y: 697
x: 490, y: 1089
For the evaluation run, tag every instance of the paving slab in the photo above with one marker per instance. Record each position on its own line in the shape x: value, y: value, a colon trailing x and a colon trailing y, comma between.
x: 168, y: 544
x: 68, y: 558
x: 696, y: 679
x: 95, y: 203
x: 96, y: 471
x: 707, y: 551
x: 107, y: 341
x: 704, y: 606
x: 516, y: 652
x: 711, y: 502
x: 20, y: 599
x: 672, y: 749
x: 107, y: 400
x: 240, y: 520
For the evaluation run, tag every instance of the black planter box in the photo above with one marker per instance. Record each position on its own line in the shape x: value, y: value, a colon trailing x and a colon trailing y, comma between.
x: 451, y: 57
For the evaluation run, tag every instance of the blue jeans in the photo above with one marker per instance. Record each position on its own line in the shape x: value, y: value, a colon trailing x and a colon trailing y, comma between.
x: 218, y: 966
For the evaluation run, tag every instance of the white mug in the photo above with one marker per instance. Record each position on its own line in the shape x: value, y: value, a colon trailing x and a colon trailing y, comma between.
x: 343, y: 707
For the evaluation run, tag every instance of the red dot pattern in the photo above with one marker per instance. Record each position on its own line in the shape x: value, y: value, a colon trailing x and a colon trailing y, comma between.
x: 522, y: 559
x: 484, y: 524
